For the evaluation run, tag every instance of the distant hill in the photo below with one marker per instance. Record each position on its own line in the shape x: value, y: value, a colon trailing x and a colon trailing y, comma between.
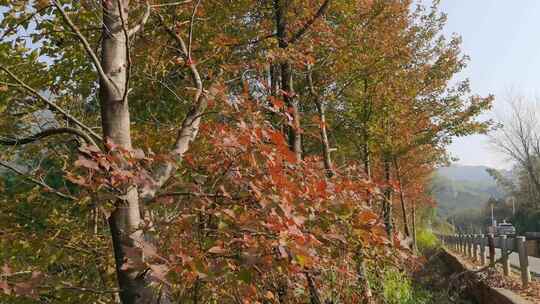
x: 466, y: 173
x: 457, y: 188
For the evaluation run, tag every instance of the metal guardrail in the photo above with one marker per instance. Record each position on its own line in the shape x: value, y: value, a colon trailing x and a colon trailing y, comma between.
x: 474, y: 246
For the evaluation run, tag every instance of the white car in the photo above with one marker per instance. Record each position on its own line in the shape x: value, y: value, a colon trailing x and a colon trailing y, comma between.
x: 506, y: 229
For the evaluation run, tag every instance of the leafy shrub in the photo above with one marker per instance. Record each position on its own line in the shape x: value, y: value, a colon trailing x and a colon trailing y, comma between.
x: 426, y: 240
x: 397, y: 288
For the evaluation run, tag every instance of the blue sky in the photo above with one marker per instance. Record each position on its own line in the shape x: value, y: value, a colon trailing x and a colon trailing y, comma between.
x: 503, y: 40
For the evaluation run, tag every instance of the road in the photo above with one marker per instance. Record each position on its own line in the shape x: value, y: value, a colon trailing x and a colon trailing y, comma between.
x: 534, y: 263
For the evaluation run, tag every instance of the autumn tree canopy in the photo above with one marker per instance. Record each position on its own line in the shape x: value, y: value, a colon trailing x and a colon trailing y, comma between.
x: 219, y: 151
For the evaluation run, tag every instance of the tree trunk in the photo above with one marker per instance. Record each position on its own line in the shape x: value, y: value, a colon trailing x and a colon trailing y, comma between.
x: 274, y: 80
x: 367, y: 165
x: 413, y: 220
x: 327, y: 158
x: 324, y: 140
x: 402, y: 199
x: 366, y: 157
x: 362, y: 277
x: 314, y: 297
x: 534, y: 178
x: 125, y: 220
x: 294, y: 131
x: 387, y: 204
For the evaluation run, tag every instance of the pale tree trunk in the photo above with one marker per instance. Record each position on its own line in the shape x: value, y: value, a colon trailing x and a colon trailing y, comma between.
x: 402, y: 199
x: 125, y: 220
x: 325, y: 143
x: 324, y: 140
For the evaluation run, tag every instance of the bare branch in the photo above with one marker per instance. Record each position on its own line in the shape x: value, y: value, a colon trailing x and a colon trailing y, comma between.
x: 253, y: 42
x: 172, y: 3
x: 320, y: 12
x: 37, y: 182
x: 128, y: 52
x: 51, y: 104
x: 190, y: 126
x: 134, y: 30
x: 15, y: 26
x: 44, y: 134
x: 8, y: 84
x: 191, y: 24
x: 194, y: 194
x: 66, y: 286
x: 95, y: 60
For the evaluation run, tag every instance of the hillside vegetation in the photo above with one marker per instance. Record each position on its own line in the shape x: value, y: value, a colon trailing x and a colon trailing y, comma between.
x: 246, y: 151
x: 457, y: 189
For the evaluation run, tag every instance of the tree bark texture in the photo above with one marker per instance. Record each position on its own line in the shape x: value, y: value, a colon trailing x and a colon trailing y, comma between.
x: 402, y: 198
x: 325, y: 143
x: 387, y: 204
x: 294, y: 130
x: 125, y: 220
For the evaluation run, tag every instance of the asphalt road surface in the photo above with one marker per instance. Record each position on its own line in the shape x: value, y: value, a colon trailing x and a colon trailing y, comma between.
x: 534, y: 263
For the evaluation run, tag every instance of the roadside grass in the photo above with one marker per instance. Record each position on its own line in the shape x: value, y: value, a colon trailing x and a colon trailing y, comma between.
x: 426, y: 241
x: 396, y: 287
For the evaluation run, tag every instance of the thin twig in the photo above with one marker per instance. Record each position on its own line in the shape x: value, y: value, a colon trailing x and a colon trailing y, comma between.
x: 128, y: 53
x: 134, y: 30
x: 191, y: 23
x: 214, y: 195
x: 44, y: 134
x: 67, y: 286
x: 87, y: 47
x: 37, y: 182
x: 51, y: 104
x: 190, y: 125
x: 172, y: 3
x: 321, y: 11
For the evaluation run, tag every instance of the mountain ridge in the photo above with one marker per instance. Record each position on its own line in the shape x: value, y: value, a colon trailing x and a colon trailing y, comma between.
x: 457, y: 188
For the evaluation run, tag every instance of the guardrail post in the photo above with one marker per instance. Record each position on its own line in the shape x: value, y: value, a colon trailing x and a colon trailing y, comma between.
x: 463, y: 244
x: 475, y: 247
x: 523, y: 261
x: 491, y: 244
x: 482, y: 244
x: 504, y: 253
x: 469, y: 246
x: 470, y: 249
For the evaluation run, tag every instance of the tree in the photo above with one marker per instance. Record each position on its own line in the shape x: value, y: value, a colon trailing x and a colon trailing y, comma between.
x: 214, y: 151
x: 518, y: 138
